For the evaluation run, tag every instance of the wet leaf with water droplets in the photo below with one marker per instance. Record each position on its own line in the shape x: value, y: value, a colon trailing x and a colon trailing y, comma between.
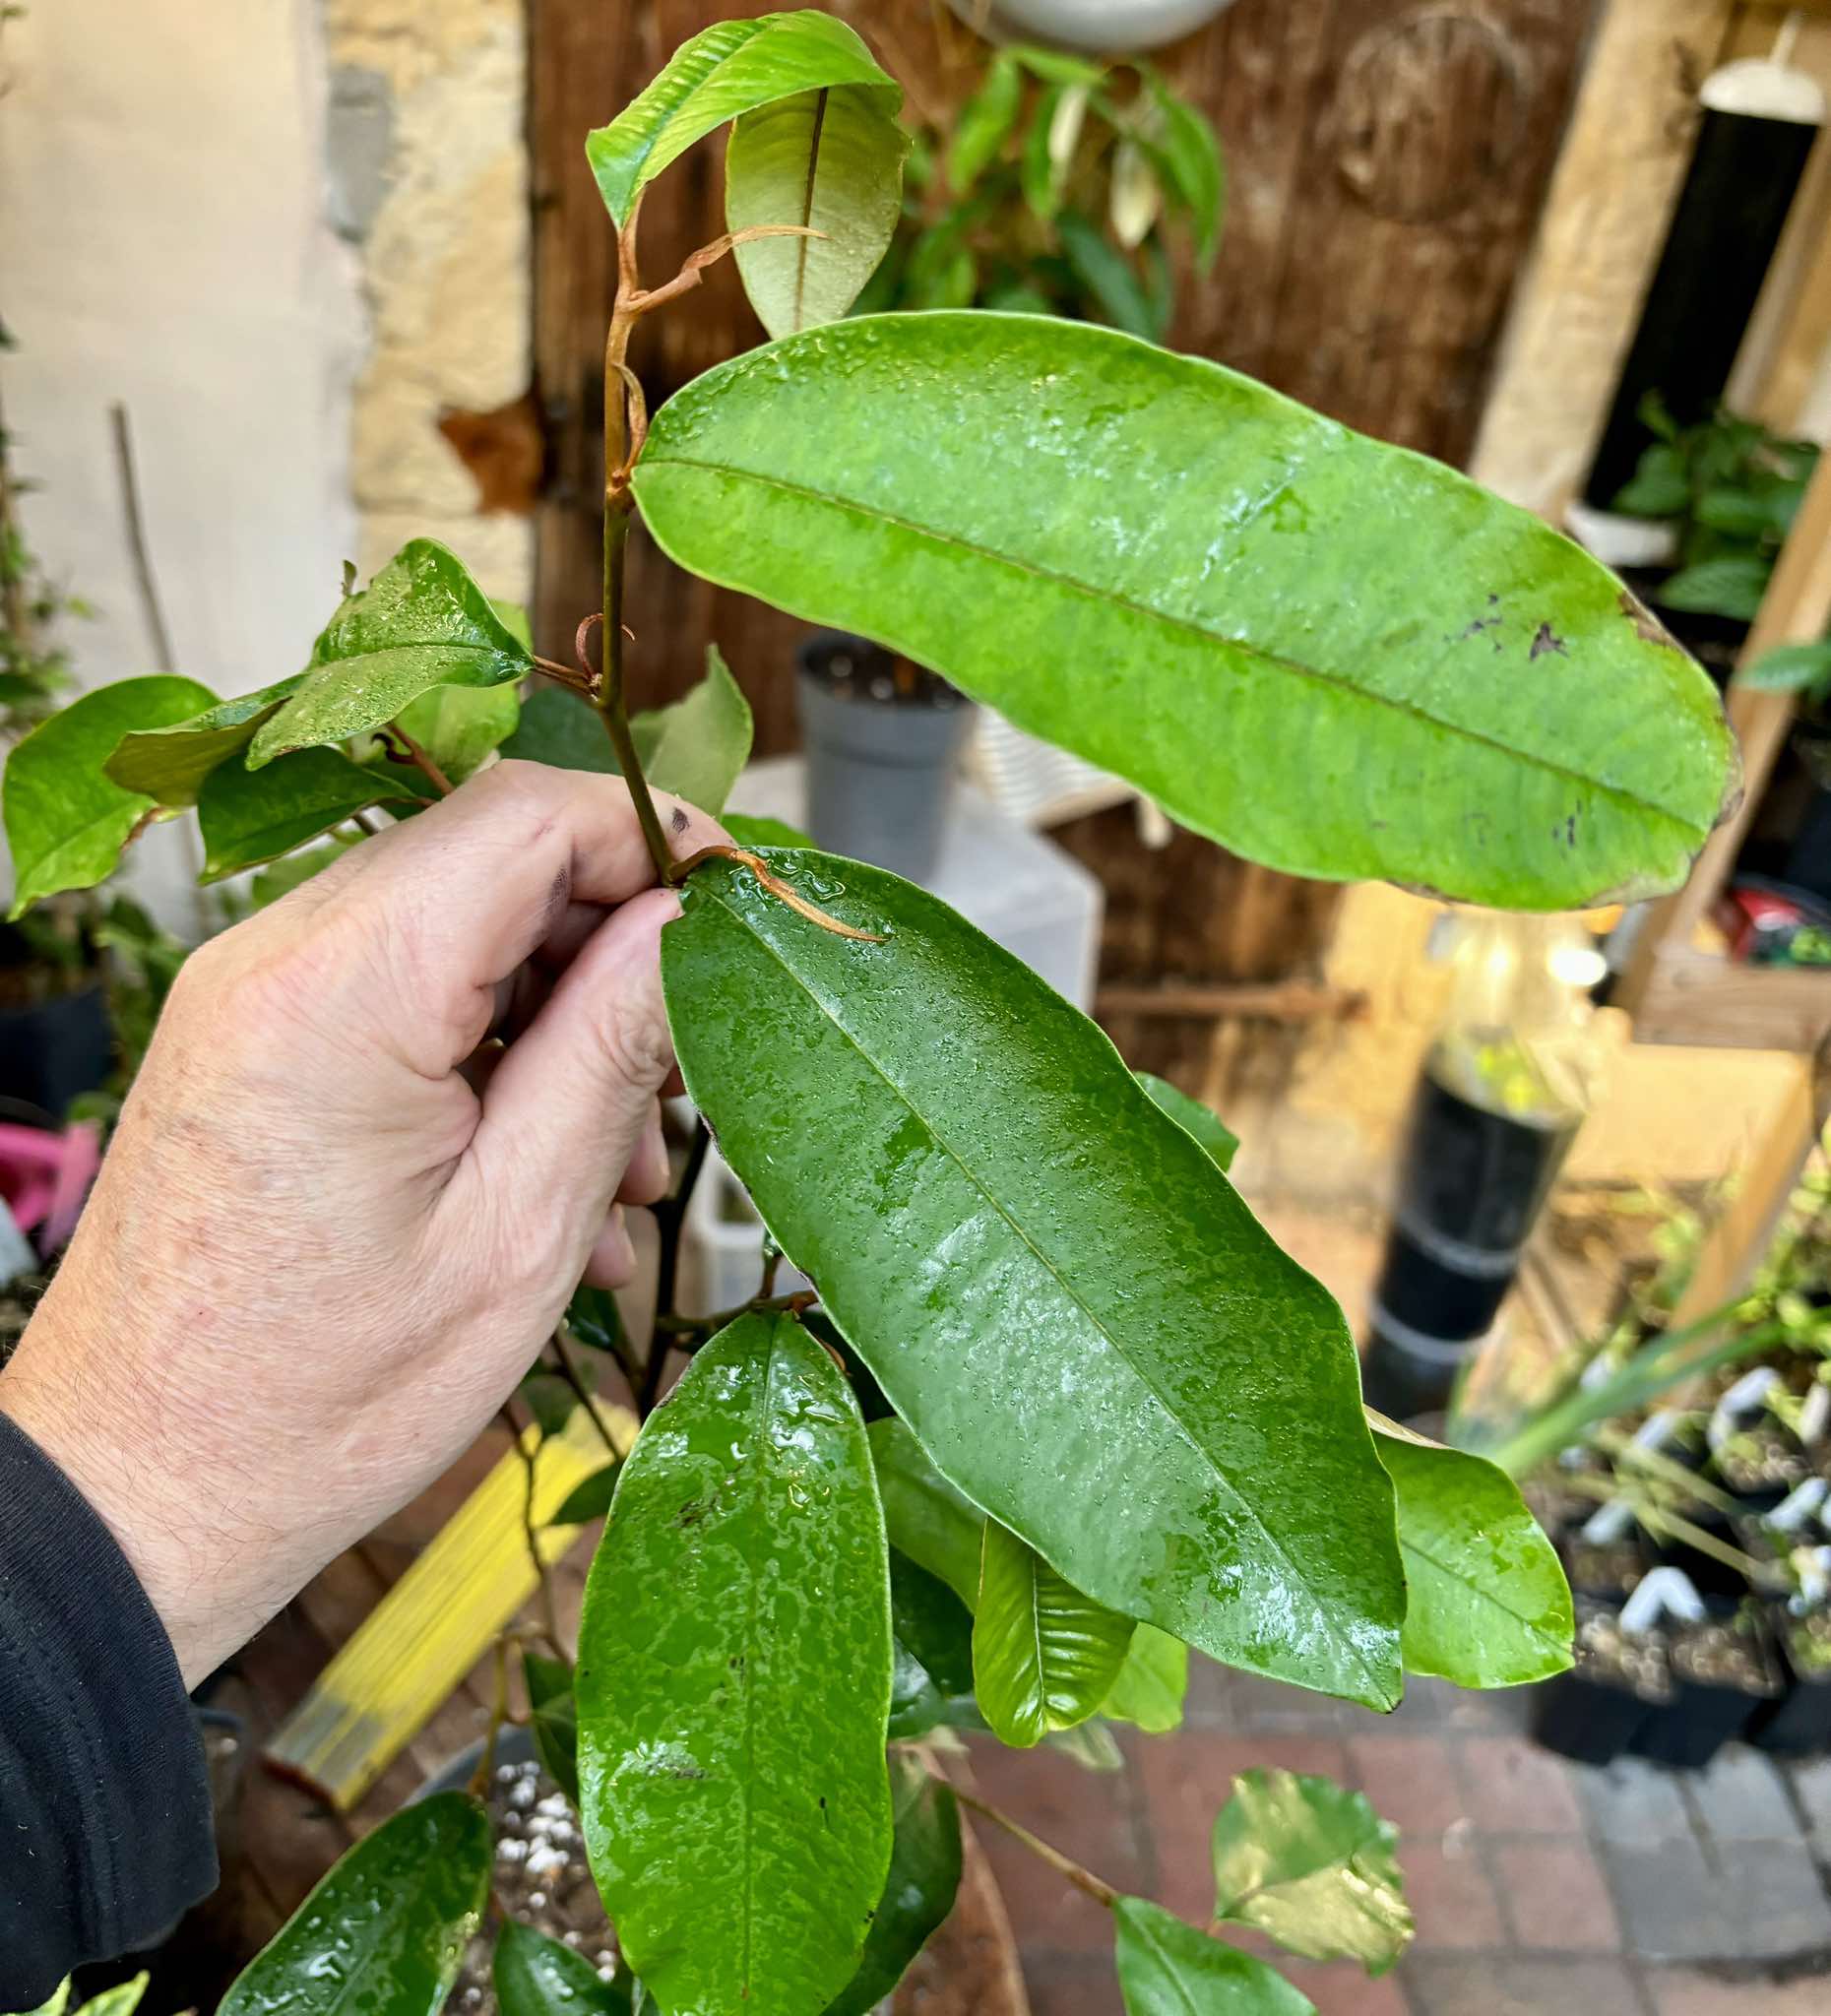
x: 535, y: 1976
x: 1311, y: 646
x: 1043, y: 1655
x: 384, y: 1930
x: 1169, y: 1969
x: 734, y: 1683
x: 918, y: 1892
x: 1057, y: 1289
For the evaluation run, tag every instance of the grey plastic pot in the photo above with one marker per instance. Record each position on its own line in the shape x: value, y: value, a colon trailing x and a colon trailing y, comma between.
x: 880, y: 768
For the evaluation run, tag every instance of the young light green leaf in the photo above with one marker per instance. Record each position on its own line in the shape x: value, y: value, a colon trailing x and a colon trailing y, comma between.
x: 1790, y: 669
x: 250, y: 816
x: 1185, y: 144
x: 590, y: 1498
x: 1056, y: 66
x: 563, y: 730
x: 1150, y: 1684
x: 390, y: 1920
x: 918, y: 1892
x: 120, y: 2000
x: 421, y: 622
x: 734, y: 1683
x: 697, y: 746
x: 1310, y: 1865
x: 963, y: 1164
x: 1488, y: 1605
x: 1207, y: 1126
x: 830, y: 160
x: 733, y: 67
x: 1504, y: 726
x: 458, y: 726
x: 931, y: 1682
x: 985, y: 122
x: 553, y: 1720
x: 755, y: 831
x: 59, y: 2001
x: 66, y: 821
x: 1169, y: 1969
x: 1043, y: 1655
x: 535, y: 1976
x: 169, y: 765
x: 1039, y: 175
x: 926, y: 1518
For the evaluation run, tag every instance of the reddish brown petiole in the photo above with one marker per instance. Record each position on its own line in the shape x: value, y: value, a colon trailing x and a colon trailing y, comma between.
x: 776, y: 886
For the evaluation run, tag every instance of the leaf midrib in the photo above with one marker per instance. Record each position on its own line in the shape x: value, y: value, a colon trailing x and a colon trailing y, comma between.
x: 1345, y: 1646
x: 1527, y: 1624
x: 1410, y: 709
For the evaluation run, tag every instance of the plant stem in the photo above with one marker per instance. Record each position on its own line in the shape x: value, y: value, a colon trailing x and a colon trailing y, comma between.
x: 549, y: 1609
x: 569, y: 1371
x: 498, y: 1715
x: 419, y: 759
x: 1083, y: 1880
x: 683, y: 1327
x: 670, y: 1221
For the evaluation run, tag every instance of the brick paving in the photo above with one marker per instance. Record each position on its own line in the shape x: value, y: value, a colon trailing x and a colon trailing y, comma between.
x: 1540, y: 1888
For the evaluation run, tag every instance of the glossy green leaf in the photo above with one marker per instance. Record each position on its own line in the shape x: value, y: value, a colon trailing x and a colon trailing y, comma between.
x: 459, y: 727
x: 385, y: 1929
x: 1152, y: 1684
x: 731, y: 68
x: 697, y: 747
x: 1503, y: 724
x: 830, y: 160
x: 563, y: 730
x: 1310, y: 1865
x: 1043, y: 1655
x: 984, y: 123
x: 169, y: 764
x: 1214, y: 1134
x: 548, y: 1398
x: 1169, y: 1969
x: 65, y: 822
x: 1108, y: 276
x: 595, y: 1320
x: 1055, y: 1287
x: 535, y: 1976
x: 553, y: 1720
x: 280, y: 878
x: 931, y: 1629
x: 918, y: 1892
x: 514, y: 620
x: 588, y: 1499
x: 1488, y: 1602
x: 927, y: 1518
x: 753, y: 832
x: 58, y: 2003
x: 734, y: 1683
x: 421, y: 622
x: 1185, y: 144
x: 250, y: 816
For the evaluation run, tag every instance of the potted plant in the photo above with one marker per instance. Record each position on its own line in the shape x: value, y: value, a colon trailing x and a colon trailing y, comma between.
x: 1092, y: 1463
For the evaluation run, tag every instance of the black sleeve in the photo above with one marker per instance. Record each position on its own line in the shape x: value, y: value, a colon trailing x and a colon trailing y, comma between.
x: 105, y: 1832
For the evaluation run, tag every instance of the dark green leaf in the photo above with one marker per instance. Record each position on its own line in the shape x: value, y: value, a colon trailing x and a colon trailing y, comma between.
x: 169, y: 765
x: 831, y: 161
x: 548, y: 1398
x: 65, y: 822
x: 1214, y: 1134
x: 563, y: 730
x: 1053, y: 1282
x: 918, y: 1892
x: 734, y: 1683
x: 731, y: 68
x: 1742, y: 514
x: 1659, y: 487
x: 553, y: 1720
x: 1501, y: 726
x: 1152, y: 1684
x: 1043, y: 1655
x: 932, y: 1678
x: 250, y: 816
x: 697, y: 746
x: 984, y: 123
x: 458, y: 726
x: 535, y: 1976
x: 1730, y: 584
x: 1311, y: 1864
x: 386, y: 1929
x: 421, y: 622
x: 1107, y: 275
x: 280, y: 878
x: 1790, y: 669
x: 1169, y: 1969
x: 1191, y: 158
x: 752, y: 832
x: 927, y: 1519
x: 1488, y: 1605
x: 548, y: 1680
x: 595, y: 1320
x: 588, y: 1499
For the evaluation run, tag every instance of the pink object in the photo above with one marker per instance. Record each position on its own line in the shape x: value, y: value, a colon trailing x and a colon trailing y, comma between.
x: 44, y: 1177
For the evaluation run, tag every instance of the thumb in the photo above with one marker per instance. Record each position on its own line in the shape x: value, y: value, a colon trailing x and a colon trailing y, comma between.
x: 567, y: 1105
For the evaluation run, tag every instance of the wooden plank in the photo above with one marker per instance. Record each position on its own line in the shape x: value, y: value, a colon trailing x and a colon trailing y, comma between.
x: 1697, y: 997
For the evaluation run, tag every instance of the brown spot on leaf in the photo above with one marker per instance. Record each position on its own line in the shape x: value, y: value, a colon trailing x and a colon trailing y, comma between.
x: 1544, y: 639
x: 1647, y: 627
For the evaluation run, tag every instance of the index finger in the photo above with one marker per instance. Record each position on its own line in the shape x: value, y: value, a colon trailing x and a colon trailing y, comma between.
x: 460, y: 896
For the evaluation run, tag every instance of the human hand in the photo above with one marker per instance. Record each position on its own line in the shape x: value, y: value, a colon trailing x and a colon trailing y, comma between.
x: 316, y: 1259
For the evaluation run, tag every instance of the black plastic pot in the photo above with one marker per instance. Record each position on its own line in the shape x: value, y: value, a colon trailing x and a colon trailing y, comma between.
x: 1706, y: 1712
x: 1595, y: 1711
x: 881, y: 738
x: 1799, y: 1722
x: 53, y: 1051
